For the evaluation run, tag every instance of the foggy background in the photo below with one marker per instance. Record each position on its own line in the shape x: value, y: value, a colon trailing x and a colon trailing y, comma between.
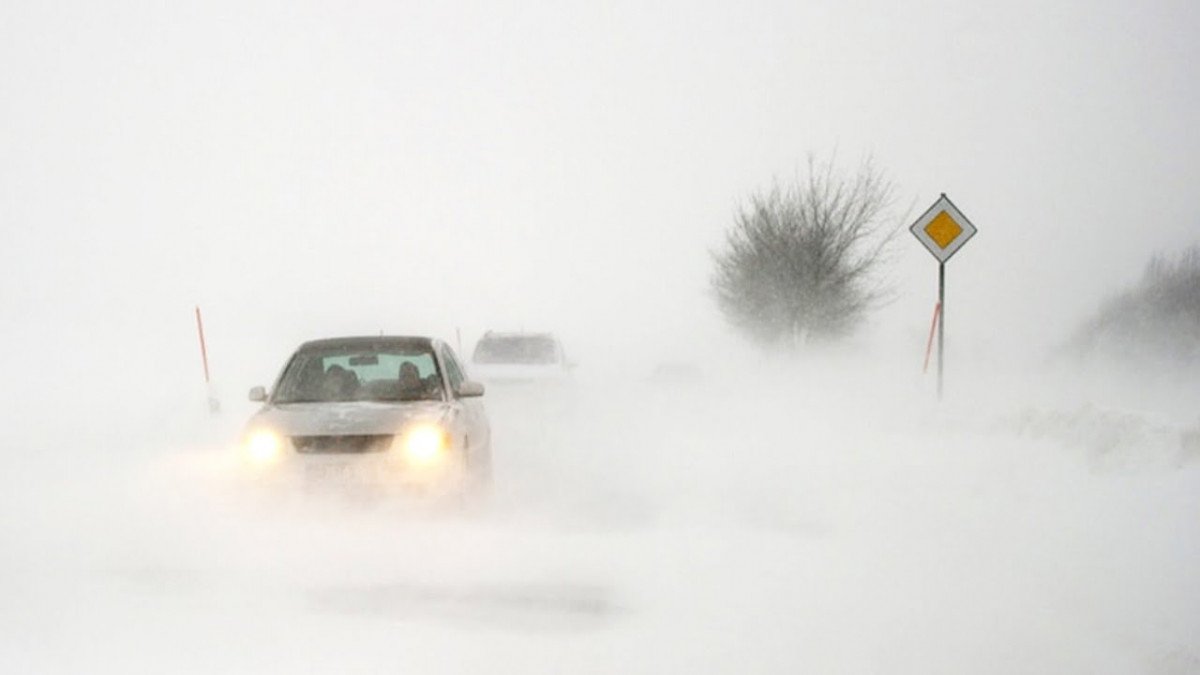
x: 302, y: 170
x: 311, y: 169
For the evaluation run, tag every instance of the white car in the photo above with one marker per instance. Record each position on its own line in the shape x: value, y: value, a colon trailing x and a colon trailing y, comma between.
x: 372, y: 412
x: 519, y: 357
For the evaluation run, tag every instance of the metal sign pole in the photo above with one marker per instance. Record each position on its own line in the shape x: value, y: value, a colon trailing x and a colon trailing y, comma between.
x: 941, y: 323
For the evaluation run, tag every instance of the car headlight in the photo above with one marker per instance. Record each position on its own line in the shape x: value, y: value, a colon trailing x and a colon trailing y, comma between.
x: 424, y: 444
x: 263, y: 446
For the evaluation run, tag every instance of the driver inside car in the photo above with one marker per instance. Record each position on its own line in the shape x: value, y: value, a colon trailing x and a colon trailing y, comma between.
x: 411, y: 384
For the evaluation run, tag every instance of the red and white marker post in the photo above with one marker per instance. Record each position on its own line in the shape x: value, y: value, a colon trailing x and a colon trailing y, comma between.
x: 214, y: 405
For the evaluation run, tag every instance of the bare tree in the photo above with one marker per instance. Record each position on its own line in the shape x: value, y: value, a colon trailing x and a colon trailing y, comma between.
x: 799, y: 261
x: 1158, y: 319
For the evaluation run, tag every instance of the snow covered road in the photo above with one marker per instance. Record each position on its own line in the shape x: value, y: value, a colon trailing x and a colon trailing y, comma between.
x: 770, y: 527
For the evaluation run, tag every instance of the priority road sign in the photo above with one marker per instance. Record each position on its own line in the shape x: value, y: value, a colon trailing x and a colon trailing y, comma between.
x: 943, y: 229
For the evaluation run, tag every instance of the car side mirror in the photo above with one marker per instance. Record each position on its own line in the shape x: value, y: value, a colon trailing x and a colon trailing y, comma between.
x: 468, y: 389
x: 258, y: 394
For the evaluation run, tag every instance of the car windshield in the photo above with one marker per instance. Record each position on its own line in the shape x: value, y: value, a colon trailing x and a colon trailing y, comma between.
x: 354, y: 373
x: 522, y: 349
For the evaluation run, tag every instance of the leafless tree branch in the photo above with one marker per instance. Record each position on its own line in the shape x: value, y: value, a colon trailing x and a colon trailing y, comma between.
x: 800, y: 258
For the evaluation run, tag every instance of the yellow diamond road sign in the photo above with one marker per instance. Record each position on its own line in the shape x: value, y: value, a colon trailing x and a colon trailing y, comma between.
x: 943, y: 229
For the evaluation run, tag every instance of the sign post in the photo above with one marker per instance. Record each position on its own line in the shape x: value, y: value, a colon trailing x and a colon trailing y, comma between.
x: 943, y: 229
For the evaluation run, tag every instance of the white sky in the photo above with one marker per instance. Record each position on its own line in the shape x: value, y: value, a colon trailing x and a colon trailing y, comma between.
x: 303, y: 169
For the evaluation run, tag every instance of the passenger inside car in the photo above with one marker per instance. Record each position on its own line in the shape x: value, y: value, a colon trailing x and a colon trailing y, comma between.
x: 307, y: 384
x: 339, y: 384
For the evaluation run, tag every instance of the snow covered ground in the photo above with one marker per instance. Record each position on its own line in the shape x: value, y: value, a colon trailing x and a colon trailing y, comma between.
x: 803, y: 520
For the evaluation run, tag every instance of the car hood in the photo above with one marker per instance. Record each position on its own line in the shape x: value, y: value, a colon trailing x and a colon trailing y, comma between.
x: 343, y: 419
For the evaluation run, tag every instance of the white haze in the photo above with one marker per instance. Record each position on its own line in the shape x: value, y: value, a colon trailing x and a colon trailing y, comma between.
x: 301, y: 170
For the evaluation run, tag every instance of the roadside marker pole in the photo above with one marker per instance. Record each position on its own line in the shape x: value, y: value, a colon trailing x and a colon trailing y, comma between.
x: 214, y: 406
x: 203, y: 348
x: 937, y: 311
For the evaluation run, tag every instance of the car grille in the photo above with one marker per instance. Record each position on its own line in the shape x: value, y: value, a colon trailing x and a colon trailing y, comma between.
x: 342, y: 444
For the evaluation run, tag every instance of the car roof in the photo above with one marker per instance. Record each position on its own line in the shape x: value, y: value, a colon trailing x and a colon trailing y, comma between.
x: 517, y: 334
x: 367, y: 341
